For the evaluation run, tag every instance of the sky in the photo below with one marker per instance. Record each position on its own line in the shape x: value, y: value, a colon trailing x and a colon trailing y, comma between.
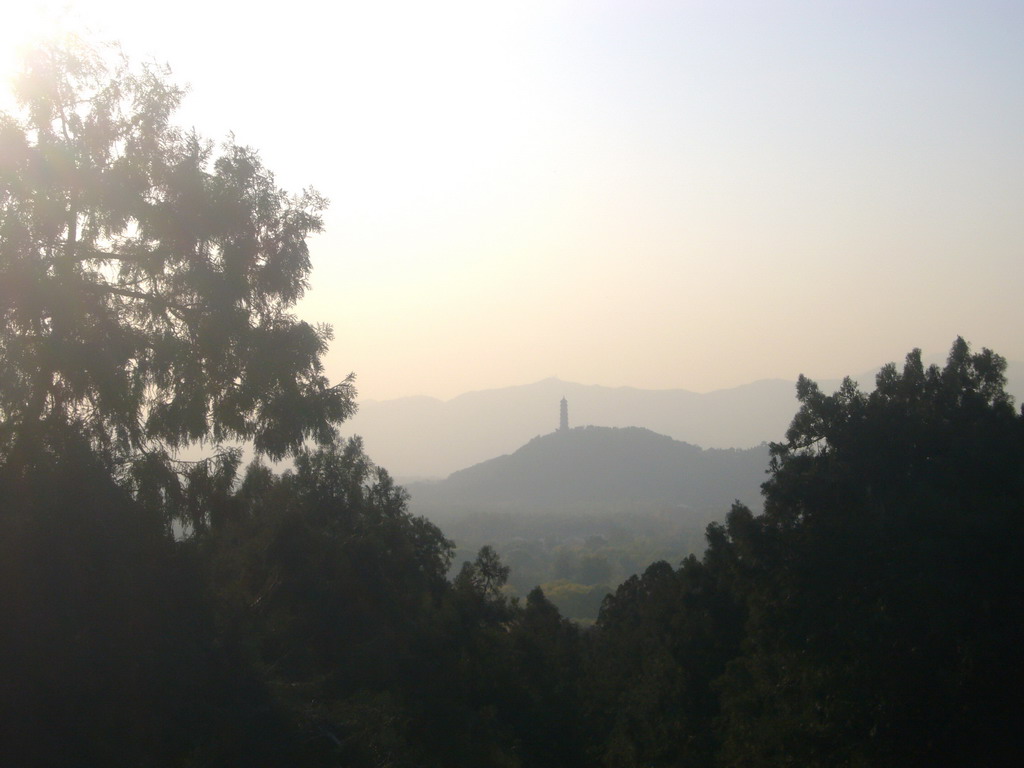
x: 661, y: 195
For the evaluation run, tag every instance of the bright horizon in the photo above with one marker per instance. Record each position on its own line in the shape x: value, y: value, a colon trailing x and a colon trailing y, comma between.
x: 658, y: 195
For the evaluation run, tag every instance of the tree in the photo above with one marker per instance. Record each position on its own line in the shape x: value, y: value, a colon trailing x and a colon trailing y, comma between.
x: 147, y: 278
x: 335, y: 586
x: 485, y: 576
x: 870, y: 616
x: 111, y: 651
x: 883, y: 578
x: 661, y: 640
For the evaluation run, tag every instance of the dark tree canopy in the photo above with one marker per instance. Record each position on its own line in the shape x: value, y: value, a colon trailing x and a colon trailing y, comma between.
x: 870, y: 617
x: 147, y: 277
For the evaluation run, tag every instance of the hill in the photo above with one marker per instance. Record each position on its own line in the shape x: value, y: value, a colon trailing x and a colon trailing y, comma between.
x: 422, y: 437
x: 580, y: 511
x: 599, y: 469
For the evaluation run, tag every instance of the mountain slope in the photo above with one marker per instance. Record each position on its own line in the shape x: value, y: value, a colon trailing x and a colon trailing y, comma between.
x: 600, y: 469
x: 423, y: 437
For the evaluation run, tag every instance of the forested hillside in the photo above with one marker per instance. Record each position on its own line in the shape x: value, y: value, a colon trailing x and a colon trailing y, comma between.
x: 600, y: 469
x: 477, y: 426
x: 425, y: 438
x: 163, y: 612
x: 580, y: 511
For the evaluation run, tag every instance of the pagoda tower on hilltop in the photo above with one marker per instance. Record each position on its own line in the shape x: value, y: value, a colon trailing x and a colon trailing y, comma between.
x: 563, y: 420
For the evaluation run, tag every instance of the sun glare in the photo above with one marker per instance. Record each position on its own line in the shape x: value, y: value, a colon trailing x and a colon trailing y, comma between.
x: 26, y: 25
x: 19, y: 28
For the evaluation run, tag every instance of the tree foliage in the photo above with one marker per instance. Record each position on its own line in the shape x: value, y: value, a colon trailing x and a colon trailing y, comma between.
x: 872, y: 614
x: 885, y: 582
x: 147, y: 277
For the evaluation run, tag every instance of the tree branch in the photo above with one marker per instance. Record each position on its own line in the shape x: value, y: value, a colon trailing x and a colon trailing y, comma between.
x: 146, y: 297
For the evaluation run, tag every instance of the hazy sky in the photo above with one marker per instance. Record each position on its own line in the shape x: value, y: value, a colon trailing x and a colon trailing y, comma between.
x: 656, y: 194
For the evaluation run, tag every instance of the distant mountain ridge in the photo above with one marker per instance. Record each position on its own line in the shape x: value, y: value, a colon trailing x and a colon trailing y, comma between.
x: 423, y: 437
x: 600, y: 469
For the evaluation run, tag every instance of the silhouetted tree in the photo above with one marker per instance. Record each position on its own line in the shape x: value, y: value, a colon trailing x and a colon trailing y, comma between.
x: 661, y: 641
x: 883, y: 578
x: 146, y: 279
x: 872, y: 614
x: 110, y: 650
x: 146, y: 282
x: 486, y: 575
x: 337, y: 589
x: 545, y: 707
